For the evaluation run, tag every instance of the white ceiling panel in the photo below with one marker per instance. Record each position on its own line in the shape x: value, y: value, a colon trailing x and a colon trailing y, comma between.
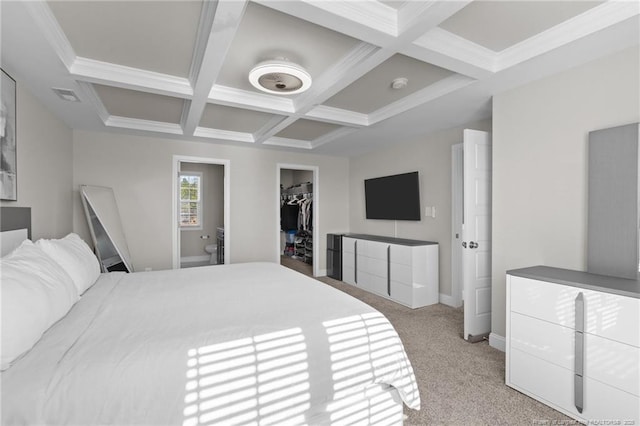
x: 140, y: 105
x: 307, y: 130
x: 234, y: 119
x: 156, y: 36
x: 498, y: 25
x: 374, y: 91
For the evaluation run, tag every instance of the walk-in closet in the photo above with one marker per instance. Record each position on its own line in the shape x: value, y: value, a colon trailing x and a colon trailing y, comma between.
x: 296, y: 218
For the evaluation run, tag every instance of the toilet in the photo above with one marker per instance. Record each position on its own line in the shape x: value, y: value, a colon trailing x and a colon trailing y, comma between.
x: 212, y: 249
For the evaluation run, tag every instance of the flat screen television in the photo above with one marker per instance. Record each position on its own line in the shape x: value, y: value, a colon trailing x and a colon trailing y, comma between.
x: 394, y: 197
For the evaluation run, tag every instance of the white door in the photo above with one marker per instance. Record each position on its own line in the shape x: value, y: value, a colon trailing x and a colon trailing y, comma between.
x: 457, y: 194
x: 476, y: 235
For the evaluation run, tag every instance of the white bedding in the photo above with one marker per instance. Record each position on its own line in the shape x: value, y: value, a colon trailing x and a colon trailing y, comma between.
x: 251, y: 343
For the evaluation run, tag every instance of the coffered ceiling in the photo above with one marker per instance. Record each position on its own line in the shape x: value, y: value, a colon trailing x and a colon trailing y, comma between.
x: 179, y: 69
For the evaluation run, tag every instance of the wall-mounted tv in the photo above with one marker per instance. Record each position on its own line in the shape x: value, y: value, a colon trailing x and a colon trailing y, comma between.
x: 394, y: 197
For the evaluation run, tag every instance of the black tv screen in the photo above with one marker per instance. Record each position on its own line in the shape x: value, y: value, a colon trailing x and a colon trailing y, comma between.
x: 394, y: 197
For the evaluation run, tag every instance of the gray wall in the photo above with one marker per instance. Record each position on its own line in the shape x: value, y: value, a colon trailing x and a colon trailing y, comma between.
x: 213, y: 209
x: 139, y: 169
x: 431, y: 157
x: 45, y: 168
x: 540, y: 134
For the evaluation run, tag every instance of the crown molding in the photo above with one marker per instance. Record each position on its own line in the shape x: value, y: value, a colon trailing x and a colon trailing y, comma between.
x: 353, y: 65
x: 226, y: 21
x: 228, y: 135
x: 331, y: 136
x: 205, y: 25
x: 445, y: 61
x: 144, y: 125
x: 47, y: 22
x: 372, y: 14
x: 429, y: 93
x: 359, y: 23
x: 453, y: 46
x: 230, y: 96
x: 338, y: 116
x: 417, y: 17
x: 89, y: 93
x: 94, y: 71
x: 589, y: 22
x: 265, y: 132
x: 184, y: 116
x: 289, y: 143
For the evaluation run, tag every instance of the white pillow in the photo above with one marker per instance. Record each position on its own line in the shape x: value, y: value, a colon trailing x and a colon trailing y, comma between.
x: 35, y: 293
x: 75, y: 257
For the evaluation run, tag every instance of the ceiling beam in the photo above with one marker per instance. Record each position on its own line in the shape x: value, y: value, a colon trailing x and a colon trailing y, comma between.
x: 226, y: 20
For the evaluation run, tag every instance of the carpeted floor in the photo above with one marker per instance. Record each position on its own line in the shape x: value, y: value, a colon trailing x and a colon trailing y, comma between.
x: 460, y: 383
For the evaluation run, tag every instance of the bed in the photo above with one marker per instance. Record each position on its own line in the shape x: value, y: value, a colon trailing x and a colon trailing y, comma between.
x: 252, y: 343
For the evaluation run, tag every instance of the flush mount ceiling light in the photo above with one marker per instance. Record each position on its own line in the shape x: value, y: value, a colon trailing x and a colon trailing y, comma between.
x: 280, y: 77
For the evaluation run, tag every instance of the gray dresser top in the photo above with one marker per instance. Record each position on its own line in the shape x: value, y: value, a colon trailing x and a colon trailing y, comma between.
x: 391, y: 240
x: 613, y: 285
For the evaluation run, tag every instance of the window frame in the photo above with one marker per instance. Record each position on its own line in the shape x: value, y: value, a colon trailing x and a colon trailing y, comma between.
x: 199, y: 202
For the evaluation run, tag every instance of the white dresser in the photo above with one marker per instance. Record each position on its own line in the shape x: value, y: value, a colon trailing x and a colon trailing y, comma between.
x: 405, y: 271
x: 573, y: 342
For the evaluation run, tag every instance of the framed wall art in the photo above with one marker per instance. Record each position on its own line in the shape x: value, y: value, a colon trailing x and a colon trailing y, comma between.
x: 8, y: 141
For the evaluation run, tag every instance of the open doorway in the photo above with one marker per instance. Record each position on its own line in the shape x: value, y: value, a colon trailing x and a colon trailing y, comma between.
x: 200, y: 212
x: 297, y: 217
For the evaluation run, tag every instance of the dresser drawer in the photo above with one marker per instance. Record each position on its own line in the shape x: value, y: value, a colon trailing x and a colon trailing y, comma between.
x: 613, y: 363
x: 606, y: 315
x: 607, y: 361
x: 372, y: 266
x: 372, y: 283
x: 373, y: 249
x: 401, y: 254
x: 553, y: 385
x: 348, y: 260
x: 401, y: 273
x: 403, y: 293
x: 348, y: 274
x: 348, y: 245
x: 614, y: 317
x: 551, y: 342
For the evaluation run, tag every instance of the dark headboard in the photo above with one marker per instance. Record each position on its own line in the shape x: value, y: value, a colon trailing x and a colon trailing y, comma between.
x: 15, y: 218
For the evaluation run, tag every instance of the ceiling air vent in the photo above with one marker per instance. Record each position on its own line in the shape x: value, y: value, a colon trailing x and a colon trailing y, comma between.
x: 66, y: 94
x: 280, y: 77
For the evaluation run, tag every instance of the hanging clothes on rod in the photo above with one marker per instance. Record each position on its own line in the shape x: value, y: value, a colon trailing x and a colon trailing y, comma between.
x: 296, y: 203
x: 304, y: 216
x: 295, y: 207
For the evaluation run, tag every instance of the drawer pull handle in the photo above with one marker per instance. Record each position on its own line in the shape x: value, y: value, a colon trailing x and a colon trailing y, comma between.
x: 389, y: 270
x: 578, y: 381
x: 355, y: 262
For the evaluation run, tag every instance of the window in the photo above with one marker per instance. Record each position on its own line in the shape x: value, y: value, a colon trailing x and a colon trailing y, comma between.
x: 191, y: 200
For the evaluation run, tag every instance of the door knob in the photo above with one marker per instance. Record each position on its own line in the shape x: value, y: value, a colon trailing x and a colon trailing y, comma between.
x: 473, y: 244
x: 464, y: 244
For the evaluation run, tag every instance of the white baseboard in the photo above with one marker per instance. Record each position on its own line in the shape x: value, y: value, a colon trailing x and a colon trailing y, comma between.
x: 498, y: 342
x: 445, y: 299
x: 194, y: 258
